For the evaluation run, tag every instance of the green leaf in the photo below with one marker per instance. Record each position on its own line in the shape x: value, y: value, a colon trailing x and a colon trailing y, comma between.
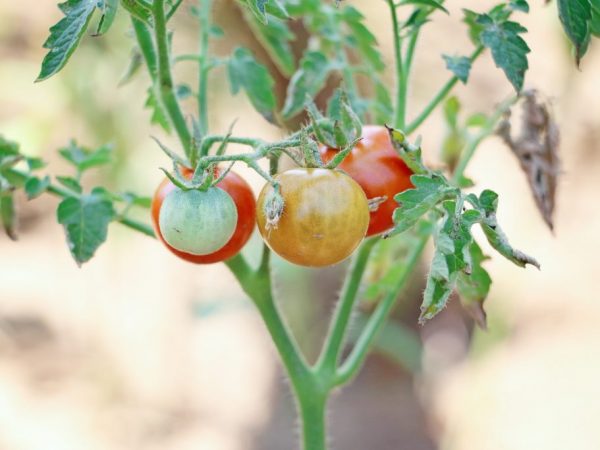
x: 439, y: 286
x: 136, y: 62
x: 451, y: 258
x: 183, y: 91
x: 595, y: 21
x: 159, y: 115
x: 575, y: 16
x: 474, y: 288
x: 307, y: 81
x: 9, y: 153
x: 276, y: 37
x: 35, y: 186
x: 70, y: 183
x: 519, y: 5
x: 248, y: 74
x: 433, y: 3
x: 85, y: 220
x: 414, y: 203
x: 495, y: 235
x: 475, y: 28
x: 451, y: 110
x: 382, y: 107
x: 137, y: 200
x: 260, y: 8
x: 83, y: 158
x: 362, y: 38
x: 109, y: 12
x: 509, y: 50
x: 459, y: 66
x: 8, y: 214
x: 138, y: 9
x: 65, y: 35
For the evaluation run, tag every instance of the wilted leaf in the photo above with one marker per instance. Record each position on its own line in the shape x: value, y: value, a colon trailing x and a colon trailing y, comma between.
x: 537, y: 151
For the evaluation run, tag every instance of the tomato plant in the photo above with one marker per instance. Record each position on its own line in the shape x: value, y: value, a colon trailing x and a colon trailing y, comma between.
x: 323, y: 220
x: 242, y: 195
x: 313, y: 215
x: 376, y: 167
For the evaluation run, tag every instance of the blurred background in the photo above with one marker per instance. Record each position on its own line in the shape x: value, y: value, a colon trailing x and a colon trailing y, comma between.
x: 138, y: 350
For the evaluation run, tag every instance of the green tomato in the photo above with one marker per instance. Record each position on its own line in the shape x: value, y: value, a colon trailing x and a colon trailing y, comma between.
x: 198, y: 222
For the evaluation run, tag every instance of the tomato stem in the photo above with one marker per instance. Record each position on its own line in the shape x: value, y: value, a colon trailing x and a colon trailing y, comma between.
x: 400, y: 107
x: 164, y: 84
x: 440, y: 96
x: 474, y: 142
x: 355, y: 360
x: 204, y: 11
x: 334, y: 342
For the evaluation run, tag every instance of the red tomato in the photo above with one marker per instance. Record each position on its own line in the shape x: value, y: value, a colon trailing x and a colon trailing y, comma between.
x: 377, y: 168
x: 242, y: 196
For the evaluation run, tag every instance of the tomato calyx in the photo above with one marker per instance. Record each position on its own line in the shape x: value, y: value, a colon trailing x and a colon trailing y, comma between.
x: 273, y: 207
x: 343, y: 125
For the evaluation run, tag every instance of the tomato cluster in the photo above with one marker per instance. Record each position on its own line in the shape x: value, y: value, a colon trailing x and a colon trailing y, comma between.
x: 324, y: 213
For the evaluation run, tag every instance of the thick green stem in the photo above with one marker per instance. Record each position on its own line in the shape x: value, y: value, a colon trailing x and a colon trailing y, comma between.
x: 165, y: 85
x: 355, y: 360
x: 313, y: 408
x: 401, y: 87
x: 311, y: 393
x: 334, y: 343
x: 440, y: 96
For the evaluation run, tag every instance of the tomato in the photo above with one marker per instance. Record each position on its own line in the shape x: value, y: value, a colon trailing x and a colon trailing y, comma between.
x: 197, y: 222
x: 375, y: 165
x: 325, y: 216
x: 242, y: 195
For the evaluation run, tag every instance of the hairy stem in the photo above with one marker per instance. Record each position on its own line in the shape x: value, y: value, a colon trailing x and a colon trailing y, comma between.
x: 329, y: 357
x: 310, y: 392
x: 400, y: 107
x: 355, y: 360
x: 64, y: 193
x: 165, y: 85
x: 204, y: 11
x: 439, y: 97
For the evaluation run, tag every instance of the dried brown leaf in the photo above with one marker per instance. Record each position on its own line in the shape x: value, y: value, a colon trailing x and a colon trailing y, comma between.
x: 537, y: 148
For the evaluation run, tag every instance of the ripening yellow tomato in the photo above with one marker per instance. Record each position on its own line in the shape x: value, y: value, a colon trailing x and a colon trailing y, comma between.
x: 325, y: 217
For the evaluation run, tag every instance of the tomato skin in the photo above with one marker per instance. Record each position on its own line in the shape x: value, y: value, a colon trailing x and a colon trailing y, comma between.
x: 198, y: 222
x: 376, y: 167
x: 325, y: 217
x: 242, y: 196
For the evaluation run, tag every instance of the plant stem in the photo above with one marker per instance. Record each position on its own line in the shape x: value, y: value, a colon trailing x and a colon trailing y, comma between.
x: 311, y: 393
x: 400, y: 110
x: 332, y: 348
x: 146, y: 229
x: 355, y: 360
x: 314, y: 427
x: 165, y: 85
x: 440, y: 96
x: 486, y: 131
x: 204, y: 8
x: 144, y: 39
